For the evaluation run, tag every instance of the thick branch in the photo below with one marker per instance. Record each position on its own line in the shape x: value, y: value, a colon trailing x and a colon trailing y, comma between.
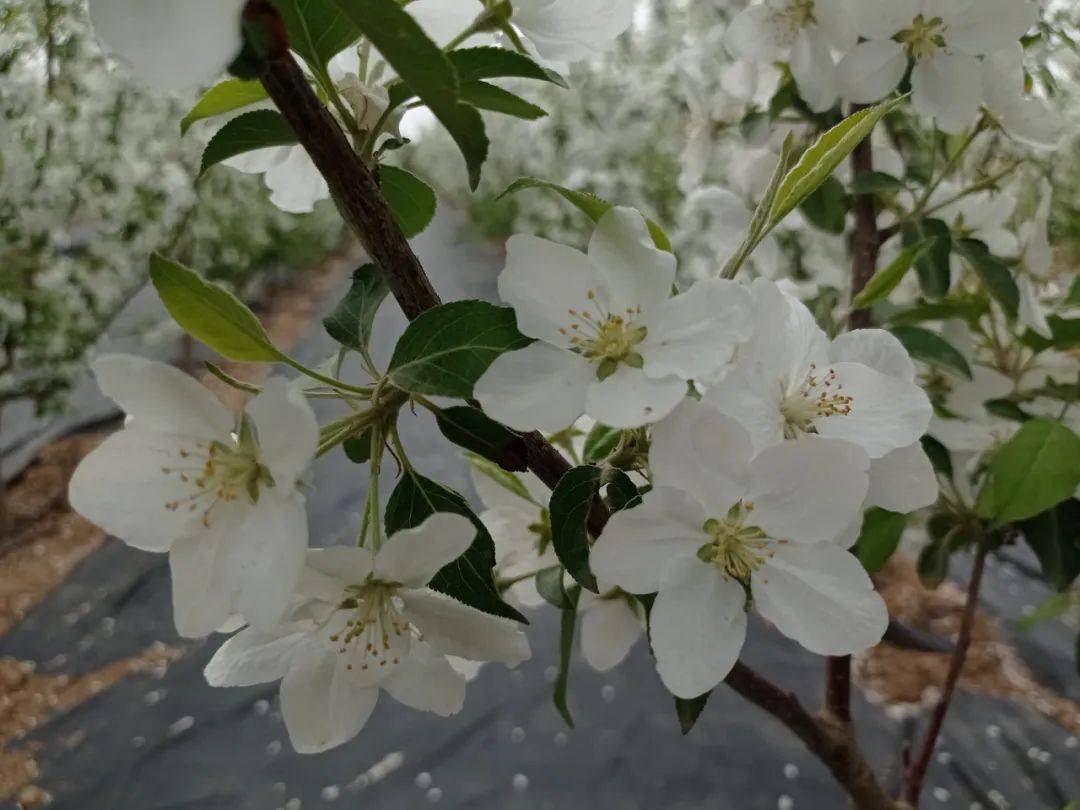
x: 866, y: 243
x: 915, y: 775
x: 831, y: 742
x: 838, y: 687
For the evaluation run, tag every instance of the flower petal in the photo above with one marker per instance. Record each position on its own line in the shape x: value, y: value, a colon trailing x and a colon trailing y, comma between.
x: 456, y: 629
x: 902, y: 480
x: 751, y: 395
x: 637, y: 274
x: 987, y: 26
x: 288, y: 431
x: 636, y: 543
x: 630, y: 398
x: 814, y: 70
x: 295, y: 184
x: 872, y: 70
x: 569, y: 30
x: 345, y: 564
x: 948, y: 88
x: 251, y: 657
x: 413, y: 556
x: 609, y: 628
x: 821, y: 597
x: 697, y: 626
x: 427, y: 682
x: 876, y: 348
x: 539, y: 387
x: 322, y: 705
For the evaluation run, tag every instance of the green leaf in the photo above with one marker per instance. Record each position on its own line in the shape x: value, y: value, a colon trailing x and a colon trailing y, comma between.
x: 622, y: 492
x: 600, y: 442
x: 425, y: 70
x: 566, y: 648
x: 211, y: 313
x: 351, y: 321
x: 549, y: 584
x: 506, y: 480
x: 358, y: 448
x: 689, y: 710
x: 474, y: 430
x: 967, y: 308
x: 922, y: 344
x: 933, y: 563
x: 1006, y: 409
x: 886, y: 280
x: 318, y: 31
x: 411, y: 200
x: 993, y: 272
x: 588, y: 203
x: 1054, y: 536
x: 827, y: 208
x: 445, y: 350
x: 879, y: 538
x: 257, y: 129
x: 933, y: 267
x: 876, y: 183
x: 939, y: 456
x: 821, y: 159
x: 1073, y: 298
x: 491, y: 97
x: 223, y: 97
x: 468, y: 579
x: 1065, y: 334
x: 488, y: 62
x: 571, y: 501
x: 1035, y: 470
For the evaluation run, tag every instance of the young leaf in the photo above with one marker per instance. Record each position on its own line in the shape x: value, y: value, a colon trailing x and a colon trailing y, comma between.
x: 358, y: 448
x: 211, y: 313
x: 488, y: 62
x: 1054, y: 536
x: 933, y: 563
x: 257, y: 129
x: 468, y: 579
x: 1035, y: 470
x: 474, y: 430
x: 549, y: 584
x: 599, y: 443
x: 821, y: 159
x: 939, y: 456
x: 491, y: 97
x: 827, y: 208
x: 318, y: 31
x: 571, y: 501
x: 876, y: 183
x: 425, y: 70
x: 933, y: 267
x: 622, y: 492
x: 968, y: 308
x: 931, y: 348
x: 506, y: 480
x: 566, y: 648
x: 689, y: 710
x: 879, y: 537
x: 223, y: 97
x: 994, y: 273
x: 351, y: 321
x: 411, y: 200
x: 588, y: 203
x: 886, y: 280
x: 444, y: 351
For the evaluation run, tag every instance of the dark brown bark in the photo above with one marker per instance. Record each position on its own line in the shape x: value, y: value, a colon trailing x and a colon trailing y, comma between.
x: 866, y: 242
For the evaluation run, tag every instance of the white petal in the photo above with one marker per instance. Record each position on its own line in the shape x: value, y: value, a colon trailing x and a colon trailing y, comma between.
x: 872, y: 70
x: 162, y: 398
x: 170, y: 44
x: 1032, y: 314
x: 442, y: 20
x: 886, y: 412
x: 948, y: 88
x: 694, y: 334
x: 295, y: 184
x: 539, y: 387
x: 878, y: 20
x: 637, y: 543
x: 808, y: 490
x: 427, y: 682
x: 902, y: 480
x: 252, y: 657
x: 609, y: 628
x: 987, y: 26
x: 288, y: 432
x: 876, y: 348
x: 703, y: 453
x: 347, y: 565
x: 457, y: 629
x: 323, y: 707
x: 636, y: 272
x: 814, y: 70
x: 121, y: 487
x: 751, y: 395
x: 543, y: 281
x: 822, y: 597
x: 413, y: 556
x: 258, y: 161
x: 630, y: 398
x: 569, y: 30
x: 752, y: 36
x: 697, y: 626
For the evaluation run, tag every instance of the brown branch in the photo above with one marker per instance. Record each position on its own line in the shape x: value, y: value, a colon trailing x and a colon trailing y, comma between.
x: 830, y: 741
x: 866, y: 243
x: 914, y: 776
x: 838, y: 687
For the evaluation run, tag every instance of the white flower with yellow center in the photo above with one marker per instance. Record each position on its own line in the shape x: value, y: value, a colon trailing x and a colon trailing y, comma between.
x: 224, y: 504
x: 722, y: 523
x: 369, y: 622
x: 945, y: 39
x: 790, y: 381
x: 612, y: 342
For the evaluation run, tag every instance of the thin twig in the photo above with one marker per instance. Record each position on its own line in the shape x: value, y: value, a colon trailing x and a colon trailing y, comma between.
x: 913, y: 778
x: 866, y: 242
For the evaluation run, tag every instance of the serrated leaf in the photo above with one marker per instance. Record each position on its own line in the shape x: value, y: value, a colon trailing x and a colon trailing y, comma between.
x: 876, y: 183
x: 223, y: 97
x: 445, y: 350
x: 931, y: 348
x: 425, y: 70
x: 887, y: 279
x: 689, y: 710
x: 967, y: 308
x: 489, y: 62
x: 824, y: 155
x: 993, y: 272
x: 879, y: 537
x: 589, y: 204
x: 495, y: 99
x: 622, y: 492
x: 474, y: 430
x: 318, y: 31
x: 211, y: 313
x: 600, y: 442
x: 411, y: 200
x: 1035, y: 470
x: 253, y: 130
x: 1054, y: 536
x: 933, y: 266
x: 570, y: 503
x: 468, y: 579
x: 351, y: 321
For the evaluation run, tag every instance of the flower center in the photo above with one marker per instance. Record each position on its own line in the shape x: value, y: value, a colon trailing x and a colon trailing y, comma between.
x: 792, y: 18
x: 605, y: 337
x: 924, y: 38
x: 217, y: 473
x: 817, y: 398
x: 376, y: 633
x: 736, y: 549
